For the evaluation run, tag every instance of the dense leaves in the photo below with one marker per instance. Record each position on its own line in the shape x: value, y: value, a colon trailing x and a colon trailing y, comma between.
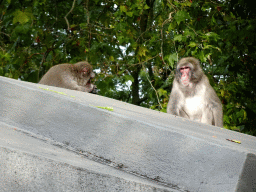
x: 134, y: 46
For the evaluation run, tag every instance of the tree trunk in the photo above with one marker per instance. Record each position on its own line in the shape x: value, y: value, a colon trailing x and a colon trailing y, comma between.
x: 136, y: 70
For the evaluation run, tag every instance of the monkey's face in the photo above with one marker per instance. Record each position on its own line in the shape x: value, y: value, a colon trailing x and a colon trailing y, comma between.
x: 94, y: 90
x: 86, y: 76
x: 89, y: 76
x: 86, y: 73
x: 184, y: 73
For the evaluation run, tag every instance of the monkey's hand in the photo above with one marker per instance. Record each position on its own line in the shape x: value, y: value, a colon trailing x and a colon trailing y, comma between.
x: 89, y: 89
x: 94, y: 90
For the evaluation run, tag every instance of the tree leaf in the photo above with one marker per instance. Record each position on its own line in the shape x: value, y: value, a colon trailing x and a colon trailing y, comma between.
x: 130, y: 14
x: 128, y: 78
x: 172, y: 58
x: 192, y: 44
x: 146, y: 7
x: 123, y: 8
x: 142, y: 51
x: 181, y: 16
x: 20, y: 16
x: 178, y: 38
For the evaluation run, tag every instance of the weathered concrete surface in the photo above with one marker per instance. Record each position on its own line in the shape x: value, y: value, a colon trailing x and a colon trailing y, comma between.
x: 30, y: 164
x: 180, y: 154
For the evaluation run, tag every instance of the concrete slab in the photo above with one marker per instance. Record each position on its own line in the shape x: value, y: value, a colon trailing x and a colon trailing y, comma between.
x: 176, y: 152
x: 34, y: 164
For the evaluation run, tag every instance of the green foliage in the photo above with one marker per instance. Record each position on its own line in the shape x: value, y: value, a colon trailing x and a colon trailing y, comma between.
x: 181, y: 16
x: 135, y: 45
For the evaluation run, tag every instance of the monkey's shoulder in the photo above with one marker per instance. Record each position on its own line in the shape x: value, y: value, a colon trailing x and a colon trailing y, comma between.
x: 61, y: 67
x: 56, y: 75
x: 57, y: 70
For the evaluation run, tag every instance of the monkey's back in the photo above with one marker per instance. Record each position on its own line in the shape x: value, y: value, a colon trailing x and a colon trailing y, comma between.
x: 56, y: 75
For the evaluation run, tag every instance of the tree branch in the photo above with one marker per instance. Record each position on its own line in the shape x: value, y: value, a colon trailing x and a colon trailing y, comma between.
x: 69, y: 13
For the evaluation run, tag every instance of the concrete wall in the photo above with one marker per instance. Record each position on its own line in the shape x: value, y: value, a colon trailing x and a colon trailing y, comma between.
x: 139, y: 149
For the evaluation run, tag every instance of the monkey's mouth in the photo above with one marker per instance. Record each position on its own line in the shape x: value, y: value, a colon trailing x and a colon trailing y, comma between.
x: 185, y: 82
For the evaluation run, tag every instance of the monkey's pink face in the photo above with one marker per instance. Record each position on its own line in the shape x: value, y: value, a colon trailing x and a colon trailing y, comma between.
x: 185, y: 75
x: 90, y: 78
x: 86, y: 73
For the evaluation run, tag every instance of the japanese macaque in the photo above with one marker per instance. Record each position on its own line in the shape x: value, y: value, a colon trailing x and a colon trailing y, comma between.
x: 71, y: 76
x: 192, y: 96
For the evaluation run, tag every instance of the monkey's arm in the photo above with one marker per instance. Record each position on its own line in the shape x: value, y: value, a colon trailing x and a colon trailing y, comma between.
x: 217, y: 111
x: 89, y: 88
x: 70, y: 83
x: 218, y: 114
x: 174, y: 103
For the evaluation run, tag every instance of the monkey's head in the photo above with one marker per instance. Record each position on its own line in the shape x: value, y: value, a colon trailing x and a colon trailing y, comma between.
x: 188, y: 71
x: 85, y: 75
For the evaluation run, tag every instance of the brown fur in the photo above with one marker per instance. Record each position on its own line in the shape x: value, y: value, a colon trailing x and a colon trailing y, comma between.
x: 197, y: 100
x: 70, y: 76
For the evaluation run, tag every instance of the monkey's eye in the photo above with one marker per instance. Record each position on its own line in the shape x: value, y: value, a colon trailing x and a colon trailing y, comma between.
x: 183, y: 69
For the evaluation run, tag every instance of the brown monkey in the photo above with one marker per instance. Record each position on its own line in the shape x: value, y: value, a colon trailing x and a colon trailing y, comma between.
x: 192, y: 96
x: 71, y: 76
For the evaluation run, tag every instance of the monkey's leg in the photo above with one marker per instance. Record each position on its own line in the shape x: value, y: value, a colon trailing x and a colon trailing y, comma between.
x: 207, y: 116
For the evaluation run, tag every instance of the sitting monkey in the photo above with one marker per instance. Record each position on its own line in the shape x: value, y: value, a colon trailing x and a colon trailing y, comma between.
x: 71, y: 76
x: 192, y: 96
